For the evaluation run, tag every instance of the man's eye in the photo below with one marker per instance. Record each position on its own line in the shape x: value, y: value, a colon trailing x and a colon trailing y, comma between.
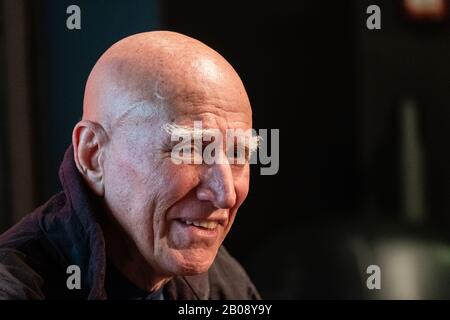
x: 239, y: 155
x: 190, y: 149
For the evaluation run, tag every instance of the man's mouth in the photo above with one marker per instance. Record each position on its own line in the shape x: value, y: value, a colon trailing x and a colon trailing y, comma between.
x: 205, y: 224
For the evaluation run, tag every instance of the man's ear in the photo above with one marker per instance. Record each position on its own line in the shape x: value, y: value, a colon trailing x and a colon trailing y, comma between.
x: 88, y: 139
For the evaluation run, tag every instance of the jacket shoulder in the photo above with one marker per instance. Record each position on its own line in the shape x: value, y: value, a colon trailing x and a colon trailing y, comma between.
x: 228, y: 279
x: 18, y: 281
x: 30, y: 228
x: 27, y: 259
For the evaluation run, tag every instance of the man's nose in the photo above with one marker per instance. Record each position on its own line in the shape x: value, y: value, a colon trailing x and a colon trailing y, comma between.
x: 217, y: 186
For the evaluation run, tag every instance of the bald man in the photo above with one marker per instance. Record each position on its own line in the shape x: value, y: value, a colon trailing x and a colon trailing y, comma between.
x: 132, y: 223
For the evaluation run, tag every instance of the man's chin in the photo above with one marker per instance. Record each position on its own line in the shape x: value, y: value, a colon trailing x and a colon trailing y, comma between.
x: 191, y: 262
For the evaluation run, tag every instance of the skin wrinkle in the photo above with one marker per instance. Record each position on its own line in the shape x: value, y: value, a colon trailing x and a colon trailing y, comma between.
x: 138, y: 85
x: 157, y: 94
x: 145, y: 110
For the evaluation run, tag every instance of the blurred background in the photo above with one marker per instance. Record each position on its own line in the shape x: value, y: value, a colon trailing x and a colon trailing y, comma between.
x: 363, y: 117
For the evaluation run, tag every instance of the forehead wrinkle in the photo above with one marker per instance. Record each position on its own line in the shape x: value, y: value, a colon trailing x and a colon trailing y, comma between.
x: 139, y: 112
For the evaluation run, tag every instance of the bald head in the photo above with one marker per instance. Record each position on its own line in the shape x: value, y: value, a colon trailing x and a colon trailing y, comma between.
x: 154, y: 71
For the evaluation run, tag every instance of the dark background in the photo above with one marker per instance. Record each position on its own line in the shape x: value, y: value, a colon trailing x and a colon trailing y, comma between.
x: 312, y: 69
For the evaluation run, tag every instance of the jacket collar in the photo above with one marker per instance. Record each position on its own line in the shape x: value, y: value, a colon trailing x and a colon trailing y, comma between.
x: 74, y: 231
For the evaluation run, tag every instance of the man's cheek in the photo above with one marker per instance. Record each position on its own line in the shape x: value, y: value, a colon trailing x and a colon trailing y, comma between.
x: 242, y: 189
x: 179, y: 180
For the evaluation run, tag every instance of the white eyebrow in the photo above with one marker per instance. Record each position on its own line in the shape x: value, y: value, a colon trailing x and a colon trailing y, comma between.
x: 176, y: 130
x: 183, y: 131
x: 253, y: 143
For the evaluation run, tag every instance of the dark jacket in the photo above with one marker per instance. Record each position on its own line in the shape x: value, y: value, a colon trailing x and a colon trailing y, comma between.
x: 35, y: 253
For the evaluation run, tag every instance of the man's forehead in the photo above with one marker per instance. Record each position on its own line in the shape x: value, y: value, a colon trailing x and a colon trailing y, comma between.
x: 146, y: 112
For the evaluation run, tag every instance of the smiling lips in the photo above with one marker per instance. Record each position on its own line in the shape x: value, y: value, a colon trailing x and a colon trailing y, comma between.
x: 206, y: 224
